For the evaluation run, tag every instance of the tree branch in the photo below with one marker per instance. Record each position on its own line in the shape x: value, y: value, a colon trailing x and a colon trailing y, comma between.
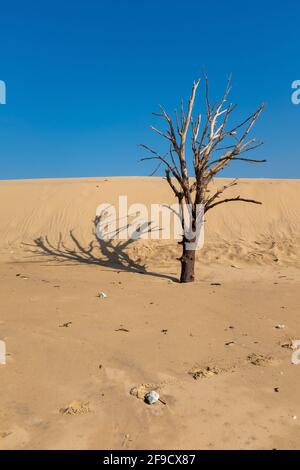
x: 238, y: 198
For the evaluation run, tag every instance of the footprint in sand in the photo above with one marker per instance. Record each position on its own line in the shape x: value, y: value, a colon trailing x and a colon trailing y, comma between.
x: 141, y: 390
x: 261, y: 359
x: 14, y: 439
x: 203, y: 373
x: 75, y: 408
x: 3, y: 435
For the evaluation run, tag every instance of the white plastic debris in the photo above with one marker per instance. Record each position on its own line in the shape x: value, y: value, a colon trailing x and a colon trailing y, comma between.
x: 2, y: 352
x: 102, y: 295
x: 151, y: 397
x: 295, y: 344
x: 280, y: 327
x: 296, y: 351
x: 295, y: 417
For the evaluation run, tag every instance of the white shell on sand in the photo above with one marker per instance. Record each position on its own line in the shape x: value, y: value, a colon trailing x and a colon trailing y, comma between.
x: 151, y: 397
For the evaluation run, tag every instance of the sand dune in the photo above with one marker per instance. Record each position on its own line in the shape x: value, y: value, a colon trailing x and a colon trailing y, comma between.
x: 235, y: 232
x: 77, y: 364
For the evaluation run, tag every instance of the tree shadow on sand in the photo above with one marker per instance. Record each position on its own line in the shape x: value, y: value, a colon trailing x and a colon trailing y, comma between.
x: 100, y: 252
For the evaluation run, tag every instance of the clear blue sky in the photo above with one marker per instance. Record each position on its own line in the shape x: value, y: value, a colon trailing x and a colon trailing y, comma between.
x: 83, y: 77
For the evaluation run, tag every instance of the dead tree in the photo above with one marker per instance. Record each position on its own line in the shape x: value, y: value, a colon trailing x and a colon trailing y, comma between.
x: 213, y: 146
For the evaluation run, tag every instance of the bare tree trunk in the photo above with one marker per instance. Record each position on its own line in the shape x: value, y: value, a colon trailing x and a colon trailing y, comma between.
x: 187, y: 264
x: 214, y: 145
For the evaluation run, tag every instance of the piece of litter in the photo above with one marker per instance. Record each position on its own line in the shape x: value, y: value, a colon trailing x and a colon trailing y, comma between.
x: 295, y: 417
x: 3, y: 353
x: 215, y: 284
x: 102, y: 295
x: 295, y: 344
x: 276, y: 389
x: 295, y: 357
x: 123, y: 329
x: 126, y: 440
x: 151, y: 397
x: 229, y: 343
x: 65, y: 325
x: 280, y: 327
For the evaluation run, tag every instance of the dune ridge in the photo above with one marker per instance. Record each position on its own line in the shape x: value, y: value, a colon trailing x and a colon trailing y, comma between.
x: 61, y: 211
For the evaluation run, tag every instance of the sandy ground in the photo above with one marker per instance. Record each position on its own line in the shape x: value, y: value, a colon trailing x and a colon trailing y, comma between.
x: 73, y: 358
